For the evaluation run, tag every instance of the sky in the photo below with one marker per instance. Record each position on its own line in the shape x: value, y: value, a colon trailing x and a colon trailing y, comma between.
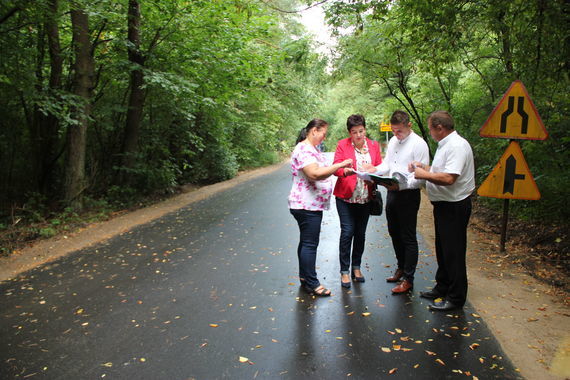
x: 314, y: 20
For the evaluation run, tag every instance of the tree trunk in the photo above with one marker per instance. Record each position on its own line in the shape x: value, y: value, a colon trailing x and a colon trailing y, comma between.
x: 137, y: 94
x: 82, y: 86
x: 505, y: 37
x: 37, y: 116
x: 50, y: 123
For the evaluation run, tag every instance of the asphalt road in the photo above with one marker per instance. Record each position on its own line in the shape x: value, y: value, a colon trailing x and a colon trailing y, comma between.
x: 210, y: 292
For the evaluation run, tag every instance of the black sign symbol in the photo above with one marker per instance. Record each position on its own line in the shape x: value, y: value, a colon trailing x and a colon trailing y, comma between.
x: 511, y: 175
x: 520, y: 111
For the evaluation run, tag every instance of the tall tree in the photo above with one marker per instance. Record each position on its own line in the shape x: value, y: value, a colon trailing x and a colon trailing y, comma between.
x: 48, y: 127
x: 137, y: 94
x: 83, y: 67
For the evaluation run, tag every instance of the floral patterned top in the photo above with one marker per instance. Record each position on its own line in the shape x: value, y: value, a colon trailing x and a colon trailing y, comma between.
x: 360, y: 194
x: 307, y: 194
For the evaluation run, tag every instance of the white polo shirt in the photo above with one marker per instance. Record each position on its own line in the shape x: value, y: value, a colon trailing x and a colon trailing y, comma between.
x: 399, y: 154
x: 453, y: 156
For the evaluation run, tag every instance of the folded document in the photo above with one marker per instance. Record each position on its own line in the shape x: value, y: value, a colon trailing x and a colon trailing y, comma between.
x: 397, y: 178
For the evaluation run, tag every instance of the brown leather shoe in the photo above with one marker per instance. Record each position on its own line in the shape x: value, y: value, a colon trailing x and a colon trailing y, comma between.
x: 402, y: 287
x: 396, y: 277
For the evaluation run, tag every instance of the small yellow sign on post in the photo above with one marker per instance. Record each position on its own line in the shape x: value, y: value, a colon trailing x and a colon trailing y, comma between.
x: 385, y: 127
x: 515, y: 117
x: 511, y: 177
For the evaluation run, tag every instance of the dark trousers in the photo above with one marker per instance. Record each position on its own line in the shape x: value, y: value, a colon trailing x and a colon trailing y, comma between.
x: 353, y: 221
x: 310, y: 229
x: 402, y: 215
x: 451, y: 219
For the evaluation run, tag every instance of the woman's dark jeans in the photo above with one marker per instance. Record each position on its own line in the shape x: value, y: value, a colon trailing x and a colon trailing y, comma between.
x: 353, y: 221
x: 310, y: 229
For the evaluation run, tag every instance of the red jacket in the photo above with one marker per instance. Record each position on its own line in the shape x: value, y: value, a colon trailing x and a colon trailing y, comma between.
x: 345, y: 185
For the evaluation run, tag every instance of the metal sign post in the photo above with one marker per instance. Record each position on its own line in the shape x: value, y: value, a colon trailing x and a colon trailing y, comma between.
x: 384, y: 127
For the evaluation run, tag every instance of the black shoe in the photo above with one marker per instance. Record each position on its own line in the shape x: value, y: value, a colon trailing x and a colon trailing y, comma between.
x: 430, y: 295
x: 357, y: 279
x: 444, y: 306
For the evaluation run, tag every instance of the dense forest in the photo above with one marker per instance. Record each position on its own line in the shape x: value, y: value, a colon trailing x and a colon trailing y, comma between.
x: 105, y: 103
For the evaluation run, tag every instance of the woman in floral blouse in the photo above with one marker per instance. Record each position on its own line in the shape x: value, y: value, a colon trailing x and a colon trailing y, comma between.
x: 352, y: 196
x: 309, y: 196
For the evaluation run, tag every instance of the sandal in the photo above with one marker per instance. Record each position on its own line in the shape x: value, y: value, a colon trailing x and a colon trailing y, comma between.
x: 345, y: 284
x: 319, y: 291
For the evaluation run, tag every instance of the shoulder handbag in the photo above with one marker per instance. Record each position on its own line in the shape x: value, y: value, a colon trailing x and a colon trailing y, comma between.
x: 375, y: 203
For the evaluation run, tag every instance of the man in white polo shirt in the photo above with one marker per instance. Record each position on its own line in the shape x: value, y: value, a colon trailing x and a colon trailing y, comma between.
x: 450, y: 182
x: 403, y: 202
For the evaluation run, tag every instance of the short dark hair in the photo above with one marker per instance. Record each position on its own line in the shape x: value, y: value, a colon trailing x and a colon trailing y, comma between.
x: 355, y: 121
x: 400, y: 117
x: 442, y: 118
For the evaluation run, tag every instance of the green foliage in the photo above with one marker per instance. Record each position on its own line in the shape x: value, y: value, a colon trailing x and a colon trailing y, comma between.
x: 227, y: 85
x: 462, y: 56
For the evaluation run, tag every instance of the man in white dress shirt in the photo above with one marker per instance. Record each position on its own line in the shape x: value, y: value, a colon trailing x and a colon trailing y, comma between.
x: 403, y: 200
x: 450, y: 182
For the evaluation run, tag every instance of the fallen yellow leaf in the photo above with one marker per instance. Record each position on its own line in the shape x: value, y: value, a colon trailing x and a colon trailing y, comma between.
x: 243, y: 359
x: 474, y: 346
x: 393, y: 370
x: 439, y: 361
x: 386, y: 349
x: 213, y: 325
x: 366, y: 314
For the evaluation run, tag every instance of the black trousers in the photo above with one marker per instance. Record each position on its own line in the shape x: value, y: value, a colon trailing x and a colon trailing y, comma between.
x: 402, y: 215
x: 451, y: 219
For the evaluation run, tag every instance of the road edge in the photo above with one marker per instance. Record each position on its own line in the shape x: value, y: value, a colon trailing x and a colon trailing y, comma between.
x: 48, y: 250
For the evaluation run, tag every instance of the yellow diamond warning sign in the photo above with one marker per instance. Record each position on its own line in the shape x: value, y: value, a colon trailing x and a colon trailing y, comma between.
x: 515, y: 117
x: 511, y: 177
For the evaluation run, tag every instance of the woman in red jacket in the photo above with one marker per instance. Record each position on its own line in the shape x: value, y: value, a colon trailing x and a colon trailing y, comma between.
x: 352, y: 196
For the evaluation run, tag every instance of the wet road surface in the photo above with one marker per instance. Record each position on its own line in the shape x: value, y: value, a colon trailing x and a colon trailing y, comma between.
x: 211, y: 292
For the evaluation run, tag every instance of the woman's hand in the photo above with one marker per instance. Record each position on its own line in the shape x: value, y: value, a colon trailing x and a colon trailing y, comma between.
x: 369, y: 168
x: 346, y: 163
x: 348, y: 171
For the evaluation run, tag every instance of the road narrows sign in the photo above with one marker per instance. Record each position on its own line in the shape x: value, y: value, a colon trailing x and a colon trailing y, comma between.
x: 511, y: 177
x: 515, y: 117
